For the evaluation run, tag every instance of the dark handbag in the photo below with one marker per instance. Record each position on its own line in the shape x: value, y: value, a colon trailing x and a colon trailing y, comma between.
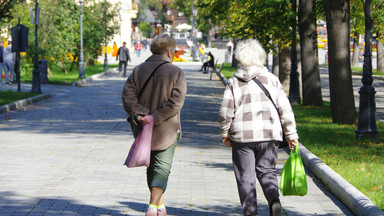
x: 284, y: 143
x: 136, y: 128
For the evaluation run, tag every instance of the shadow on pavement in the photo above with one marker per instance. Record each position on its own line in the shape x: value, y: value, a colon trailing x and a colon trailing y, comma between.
x: 189, y: 210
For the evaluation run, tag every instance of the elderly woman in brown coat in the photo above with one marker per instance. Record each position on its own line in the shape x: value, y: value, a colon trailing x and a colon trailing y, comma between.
x: 163, y: 98
x: 253, y: 126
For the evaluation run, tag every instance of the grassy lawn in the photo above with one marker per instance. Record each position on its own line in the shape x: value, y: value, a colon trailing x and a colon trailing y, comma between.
x: 359, y: 162
x: 227, y: 70
x: 60, y: 78
x: 7, y: 97
x: 374, y: 72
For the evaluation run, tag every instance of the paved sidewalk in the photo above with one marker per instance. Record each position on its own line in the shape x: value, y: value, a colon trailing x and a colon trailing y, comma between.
x: 64, y: 156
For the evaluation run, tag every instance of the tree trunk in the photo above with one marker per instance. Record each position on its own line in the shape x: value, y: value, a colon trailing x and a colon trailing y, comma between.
x: 355, y: 54
x: 209, y: 33
x: 380, y: 57
x: 234, y: 61
x: 285, y: 66
x: 62, y: 67
x: 309, y: 54
x: 340, y: 75
x: 275, y: 63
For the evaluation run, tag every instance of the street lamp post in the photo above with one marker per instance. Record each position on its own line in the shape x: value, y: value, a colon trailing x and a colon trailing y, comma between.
x: 81, y: 63
x: 194, y: 48
x: 36, y: 73
x: 366, y: 127
x: 106, y: 50
x: 294, y: 94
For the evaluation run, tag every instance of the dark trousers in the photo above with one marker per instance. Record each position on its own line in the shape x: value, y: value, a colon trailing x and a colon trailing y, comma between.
x: 123, y: 64
x: 251, y: 160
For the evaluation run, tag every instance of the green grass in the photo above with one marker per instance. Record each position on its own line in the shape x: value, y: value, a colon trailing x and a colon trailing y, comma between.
x: 358, y: 162
x: 60, y: 78
x: 374, y: 72
x: 7, y: 97
x: 227, y: 70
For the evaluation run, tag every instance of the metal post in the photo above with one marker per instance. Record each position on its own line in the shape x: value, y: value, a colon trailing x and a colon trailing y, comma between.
x: 294, y: 94
x: 81, y: 63
x: 106, y: 26
x: 194, y: 48
x: 36, y: 73
x: 366, y: 127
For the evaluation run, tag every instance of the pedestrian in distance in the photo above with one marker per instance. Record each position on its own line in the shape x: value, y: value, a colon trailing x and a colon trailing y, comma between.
x: 1, y: 60
x: 252, y: 126
x: 162, y: 97
x: 124, y: 56
x: 9, y: 60
x: 138, y: 48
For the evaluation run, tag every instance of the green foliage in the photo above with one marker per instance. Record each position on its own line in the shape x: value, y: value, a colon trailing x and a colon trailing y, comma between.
x: 99, y: 25
x: 264, y: 20
x: 5, y: 9
x: 59, y: 29
x: 357, y: 17
x: 183, y: 6
x: 146, y: 29
x: 378, y: 17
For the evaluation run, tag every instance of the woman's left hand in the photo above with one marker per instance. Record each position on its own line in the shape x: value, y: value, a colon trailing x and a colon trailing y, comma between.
x: 292, y: 144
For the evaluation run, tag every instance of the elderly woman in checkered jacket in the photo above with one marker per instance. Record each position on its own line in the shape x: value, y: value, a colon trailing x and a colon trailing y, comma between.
x: 253, y: 126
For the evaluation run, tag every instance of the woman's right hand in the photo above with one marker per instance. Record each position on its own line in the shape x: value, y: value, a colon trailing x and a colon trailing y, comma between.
x: 142, y: 120
x: 227, y: 141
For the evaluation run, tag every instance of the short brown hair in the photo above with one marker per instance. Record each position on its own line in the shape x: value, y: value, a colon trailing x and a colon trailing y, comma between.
x: 161, y: 44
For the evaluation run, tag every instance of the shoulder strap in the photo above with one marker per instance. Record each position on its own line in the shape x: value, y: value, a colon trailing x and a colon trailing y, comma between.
x: 266, y: 92
x: 146, y: 82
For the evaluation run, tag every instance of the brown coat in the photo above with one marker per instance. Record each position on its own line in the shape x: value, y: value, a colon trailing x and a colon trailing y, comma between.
x: 163, y: 98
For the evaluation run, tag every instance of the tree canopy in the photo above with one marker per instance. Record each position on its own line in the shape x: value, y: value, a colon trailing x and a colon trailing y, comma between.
x: 59, y: 28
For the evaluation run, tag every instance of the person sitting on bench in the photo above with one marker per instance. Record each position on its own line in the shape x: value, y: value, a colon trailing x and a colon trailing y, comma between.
x: 208, y: 63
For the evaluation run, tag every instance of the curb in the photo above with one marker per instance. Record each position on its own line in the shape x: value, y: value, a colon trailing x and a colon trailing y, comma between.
x: 356, y: 201
x: 223, y: 79
x: 93, y: 77
x: 24, y: 102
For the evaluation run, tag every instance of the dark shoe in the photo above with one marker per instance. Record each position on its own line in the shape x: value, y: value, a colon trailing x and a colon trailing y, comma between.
x: 275, y: 208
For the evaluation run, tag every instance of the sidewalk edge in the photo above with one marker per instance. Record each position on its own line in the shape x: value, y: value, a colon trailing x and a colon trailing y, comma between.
x: 93, y: 77
x: 356, y: 201
x: 23, y: 102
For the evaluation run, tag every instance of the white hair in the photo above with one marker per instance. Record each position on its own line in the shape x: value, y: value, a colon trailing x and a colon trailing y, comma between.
x: 249, y: 52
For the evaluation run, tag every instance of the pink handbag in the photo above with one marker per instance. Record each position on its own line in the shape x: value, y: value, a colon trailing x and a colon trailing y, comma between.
x: 140, y: 152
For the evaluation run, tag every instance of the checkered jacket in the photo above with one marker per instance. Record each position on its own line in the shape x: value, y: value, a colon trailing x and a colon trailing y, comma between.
x: 247, y: 114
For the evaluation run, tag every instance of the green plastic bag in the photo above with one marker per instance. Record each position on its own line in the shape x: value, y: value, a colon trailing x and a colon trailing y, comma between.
x: 293, y: 180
